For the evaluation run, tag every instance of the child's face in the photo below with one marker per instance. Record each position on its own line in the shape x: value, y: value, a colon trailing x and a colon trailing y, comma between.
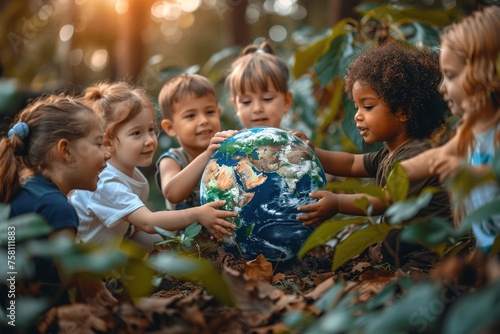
x: 374, y: 120
x: 90, y: 158
x: 262, y: 108
x: 453, y: 70
x: 135, y: 143
x: 195, y: 121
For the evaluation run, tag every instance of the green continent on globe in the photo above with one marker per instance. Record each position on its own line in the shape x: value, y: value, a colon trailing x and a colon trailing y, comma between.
x: 264, y: 174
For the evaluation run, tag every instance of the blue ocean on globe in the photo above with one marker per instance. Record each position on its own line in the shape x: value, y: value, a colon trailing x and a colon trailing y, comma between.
x: 264, y: 174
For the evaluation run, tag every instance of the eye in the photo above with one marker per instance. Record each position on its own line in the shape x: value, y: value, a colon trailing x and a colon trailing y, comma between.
x: 211, y: 112
x: 189, y: 116
x: 268, y: 99
x: 136, y: 133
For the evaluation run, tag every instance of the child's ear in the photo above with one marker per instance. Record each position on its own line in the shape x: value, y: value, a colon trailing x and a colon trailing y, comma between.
x: 167, y: 126
x: 63, y: 150
x: 403, y: 118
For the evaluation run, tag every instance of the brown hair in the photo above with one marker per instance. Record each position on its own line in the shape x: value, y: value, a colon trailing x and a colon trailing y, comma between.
x: 48, y: 120
x: 255, y: 67
x: 180, y: 87
x: 476, y: 40
x: 117, y: 103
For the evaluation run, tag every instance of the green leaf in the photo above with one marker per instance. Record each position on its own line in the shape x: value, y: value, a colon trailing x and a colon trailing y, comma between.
x: 357, y: 242
x: 354, y: 186
x: 406, y: 315
x: 192, y: 230
x: 325, y: 232
x: 168, y: 234
x: 484, y: 212
x: 364, y: 204
x: 474, y: 313
x: 405, y: 210
x: 434, y: 232
x: 463, y: 183
x: 194, y: 270
x: 398, y: 183
x: 305, y: 58
x: 25, y: 227
x: 430, y: 17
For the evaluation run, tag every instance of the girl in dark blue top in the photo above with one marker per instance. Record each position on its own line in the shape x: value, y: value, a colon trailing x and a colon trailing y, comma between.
x: 53, y: 147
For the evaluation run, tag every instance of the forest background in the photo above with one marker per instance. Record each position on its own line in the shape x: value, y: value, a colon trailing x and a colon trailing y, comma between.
x: 66, y: 45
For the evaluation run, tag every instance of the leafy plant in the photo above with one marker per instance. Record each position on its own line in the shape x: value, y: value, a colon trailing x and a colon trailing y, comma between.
x: 178, y: 242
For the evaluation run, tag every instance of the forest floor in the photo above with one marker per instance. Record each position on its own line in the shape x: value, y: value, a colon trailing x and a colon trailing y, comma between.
x: 264, y: 295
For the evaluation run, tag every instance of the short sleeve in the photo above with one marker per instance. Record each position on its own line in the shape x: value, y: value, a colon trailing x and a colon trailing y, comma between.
x: 113, y: 201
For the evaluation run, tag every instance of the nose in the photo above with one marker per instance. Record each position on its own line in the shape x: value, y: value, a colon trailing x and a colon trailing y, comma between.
x: 258, y: 107
x: 442, y: 87
x: 203, y: 119
x: 150, y: 139
x: 358, y: 116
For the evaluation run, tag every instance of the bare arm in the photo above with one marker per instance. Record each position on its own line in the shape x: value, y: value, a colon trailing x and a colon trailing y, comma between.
x: 341, y: 163
x: 177, y: 184
x: 329, y: 204
x: 336, y: 163
x: 421, y: 166
x: 207, y: 215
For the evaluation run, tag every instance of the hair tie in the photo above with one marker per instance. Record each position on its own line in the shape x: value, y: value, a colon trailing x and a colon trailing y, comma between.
x: 20, y: 129
x: 259, y: 50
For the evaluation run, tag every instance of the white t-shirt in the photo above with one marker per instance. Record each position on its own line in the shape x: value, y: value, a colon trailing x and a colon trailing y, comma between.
x: 101, y: 211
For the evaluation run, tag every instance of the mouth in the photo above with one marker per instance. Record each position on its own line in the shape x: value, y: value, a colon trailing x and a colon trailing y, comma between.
x: 204, y: 132
x: 259, y: 120
x: 362, y: 130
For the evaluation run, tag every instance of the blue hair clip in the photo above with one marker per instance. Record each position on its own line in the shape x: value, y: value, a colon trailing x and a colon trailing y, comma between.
x: 20, y: 129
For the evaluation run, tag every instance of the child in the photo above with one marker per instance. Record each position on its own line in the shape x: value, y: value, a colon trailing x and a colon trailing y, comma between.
x: 394, y: 88
x: 191, y: 114
x: 470, y: 51
x: 130, y: 138
x: 259, y: 91
x: 258, y: 82
x: 54, y: 146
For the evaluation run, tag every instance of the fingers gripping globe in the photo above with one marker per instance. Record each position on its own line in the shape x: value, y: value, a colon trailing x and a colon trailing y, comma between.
x: 263, y: 174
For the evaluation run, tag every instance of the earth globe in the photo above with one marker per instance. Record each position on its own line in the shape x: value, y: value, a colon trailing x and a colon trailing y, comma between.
x: 263, y: 174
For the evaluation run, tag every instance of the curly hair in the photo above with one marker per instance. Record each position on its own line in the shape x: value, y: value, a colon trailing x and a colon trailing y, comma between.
x: 406, y: 79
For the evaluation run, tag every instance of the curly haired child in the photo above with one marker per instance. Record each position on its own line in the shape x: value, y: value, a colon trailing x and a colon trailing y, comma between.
x: 395, y: 90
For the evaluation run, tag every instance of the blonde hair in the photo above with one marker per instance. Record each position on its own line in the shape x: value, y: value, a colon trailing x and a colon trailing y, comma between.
x: 476, y: 40
x: 181, y: 87
x: 117, y: 103
x: 255, y: 67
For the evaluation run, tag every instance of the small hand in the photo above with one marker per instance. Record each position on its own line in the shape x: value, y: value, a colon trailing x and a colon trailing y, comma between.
x: 304, y: 138
x: 320, y: 211
x: 216, y: 220
x: 218, y: 138
x: 446, y: 166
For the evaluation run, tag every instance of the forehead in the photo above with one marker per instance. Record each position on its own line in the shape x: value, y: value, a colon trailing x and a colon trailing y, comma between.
x: 450, y: 59
x: 362, y: 91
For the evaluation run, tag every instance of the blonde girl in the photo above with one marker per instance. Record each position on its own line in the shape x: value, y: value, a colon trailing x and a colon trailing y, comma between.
x: 119, y: 201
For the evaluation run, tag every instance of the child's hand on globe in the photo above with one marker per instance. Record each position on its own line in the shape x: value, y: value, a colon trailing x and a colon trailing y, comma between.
x: 215, y: 220
x: 326, y: 207
x: 218, y: 138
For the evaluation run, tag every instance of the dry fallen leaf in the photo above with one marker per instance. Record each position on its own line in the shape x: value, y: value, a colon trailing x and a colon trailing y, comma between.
x: 259, y: 269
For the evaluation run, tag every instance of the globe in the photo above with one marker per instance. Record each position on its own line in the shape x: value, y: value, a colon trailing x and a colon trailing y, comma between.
x: 263, y: 174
